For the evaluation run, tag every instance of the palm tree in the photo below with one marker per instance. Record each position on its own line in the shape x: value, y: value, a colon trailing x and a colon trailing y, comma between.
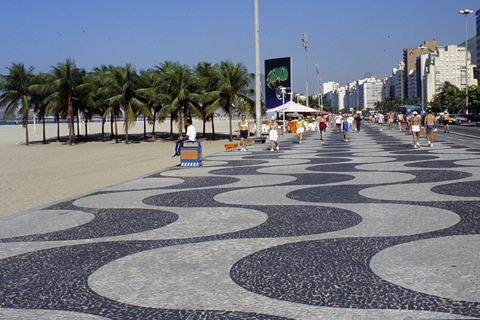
x: 452, y: 96
x: 178, y: 88
x: 232, y: 89
x: 207, y: 81
x: 62, y: 84
x: 474, y: 98
x: 37, y: 99
x: 149, y: 96
x: 15, y: 96
x: 121, y: 87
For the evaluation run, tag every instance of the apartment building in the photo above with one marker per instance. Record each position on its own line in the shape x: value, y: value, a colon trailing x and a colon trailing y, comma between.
x: 410, y: 60
x: 446, y: 64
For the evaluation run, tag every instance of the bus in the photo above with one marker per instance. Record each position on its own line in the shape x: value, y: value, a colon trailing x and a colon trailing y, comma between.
x: 409, y: 109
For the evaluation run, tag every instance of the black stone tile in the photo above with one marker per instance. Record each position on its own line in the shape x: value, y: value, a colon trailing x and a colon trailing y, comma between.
x: 57, y: 279
x: 440, y: 164
x: 424, y: 176
x: 414, y: 157
x: 295, y: 221
x: 335, y: 273
x: 331, y: 194
x: 340, y: 167
x: 108, y: 223
x: 188, y: 198
x: 328, y: 160
x: 459, y: 189
x: 238, y: 171
x: 318, y: 178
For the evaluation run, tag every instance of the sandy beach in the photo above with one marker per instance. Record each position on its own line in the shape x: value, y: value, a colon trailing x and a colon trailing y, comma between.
x: 35, y: 175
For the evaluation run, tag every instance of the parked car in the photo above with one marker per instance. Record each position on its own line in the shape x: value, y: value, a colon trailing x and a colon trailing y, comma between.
x: 451, y: 119
x: 473, y: 117
x: 458, y: 118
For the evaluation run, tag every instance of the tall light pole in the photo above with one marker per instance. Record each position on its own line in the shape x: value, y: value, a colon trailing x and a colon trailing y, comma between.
x: 305, y: 45
x: 320, y: 89
x: 258, y: 108
x: 466, y: 12
x: 283, y: 102
x: 422, y: 47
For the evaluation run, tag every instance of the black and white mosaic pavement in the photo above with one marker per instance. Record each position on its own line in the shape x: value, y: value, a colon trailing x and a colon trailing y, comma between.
x: 369, y: 229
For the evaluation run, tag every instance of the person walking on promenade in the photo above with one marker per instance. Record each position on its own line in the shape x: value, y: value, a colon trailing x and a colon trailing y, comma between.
x: 391, y: 118
x: 243, y: 133
x: 350, y: 122
x: 345, y: 128
x: 415, y: 128
x: 300, y: 129
x: 430, y: 125
x: 446, y: 119
x: 328, y: 120
x: 358, y: 122
x: 273, y: 134
x: 380, y: 118
x: 338, y: 122
x: 322, y: 124
x: 400, y: 120
x: 190, y: 136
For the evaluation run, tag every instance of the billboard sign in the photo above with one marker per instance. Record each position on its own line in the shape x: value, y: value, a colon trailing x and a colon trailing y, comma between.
x: 277, y: 74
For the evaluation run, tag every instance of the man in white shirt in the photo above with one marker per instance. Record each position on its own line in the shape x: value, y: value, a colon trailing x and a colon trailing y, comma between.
x: 380, y: 118
x: 190, y: 136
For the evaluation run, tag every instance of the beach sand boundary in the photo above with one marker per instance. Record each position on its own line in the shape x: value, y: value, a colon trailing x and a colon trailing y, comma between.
x: 39, y: 174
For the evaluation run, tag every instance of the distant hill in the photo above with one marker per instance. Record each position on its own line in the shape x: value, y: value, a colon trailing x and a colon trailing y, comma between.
x: 472, y: 48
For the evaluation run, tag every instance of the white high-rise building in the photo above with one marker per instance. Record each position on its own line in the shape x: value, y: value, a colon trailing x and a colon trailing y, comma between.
x: 329, y: 86
x: 336, y: 98
x: 446, y: 64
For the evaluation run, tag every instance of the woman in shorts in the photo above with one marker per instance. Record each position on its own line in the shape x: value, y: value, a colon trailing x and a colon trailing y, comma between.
x: 415, y: 129
x: 300, y: 129
x: 243, y: 132
x: 273, y: 134
x: 323, y: 126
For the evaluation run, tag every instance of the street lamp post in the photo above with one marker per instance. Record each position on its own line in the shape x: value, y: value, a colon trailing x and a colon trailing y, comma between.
x: 305, y: 45
x: 284, y: 90
x: 421, y: 74
x: 320, y: 88
x: 466, y: 12
x: 258, y: 107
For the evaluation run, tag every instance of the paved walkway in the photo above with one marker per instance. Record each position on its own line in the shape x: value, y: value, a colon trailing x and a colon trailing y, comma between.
x: 369, y: 229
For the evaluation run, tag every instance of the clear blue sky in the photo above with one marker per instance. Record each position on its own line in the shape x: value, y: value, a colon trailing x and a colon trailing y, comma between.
x: 348, y: 38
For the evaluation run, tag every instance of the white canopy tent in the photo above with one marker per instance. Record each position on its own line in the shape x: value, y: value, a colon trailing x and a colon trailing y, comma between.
x: 291, y: 106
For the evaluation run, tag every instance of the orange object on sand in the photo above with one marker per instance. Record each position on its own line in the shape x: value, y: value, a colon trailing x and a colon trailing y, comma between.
x: 229, y: 146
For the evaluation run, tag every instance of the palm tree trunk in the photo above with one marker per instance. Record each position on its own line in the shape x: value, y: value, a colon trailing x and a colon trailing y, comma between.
x: 111, y: 126
x: 230, y: 120
x: 204, y: 124
x: 126, y: 132
x: 26, y: 134
x: 78, y: 123
x: 86, y: 128
x: 154, y: 119
x: 144, y: 127
x: 57, y: 117
x: 44, y: 135
x: 116, y: 129
x: 171, y: 127
x: 125, y: 123
x: 213, y: 128
x: 103, y: 129
x: 70, y: 121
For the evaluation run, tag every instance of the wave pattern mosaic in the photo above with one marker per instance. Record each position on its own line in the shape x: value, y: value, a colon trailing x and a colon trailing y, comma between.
x: 370, y: 229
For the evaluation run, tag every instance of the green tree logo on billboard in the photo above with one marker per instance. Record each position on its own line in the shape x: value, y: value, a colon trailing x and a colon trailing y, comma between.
x: 275, y: 76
